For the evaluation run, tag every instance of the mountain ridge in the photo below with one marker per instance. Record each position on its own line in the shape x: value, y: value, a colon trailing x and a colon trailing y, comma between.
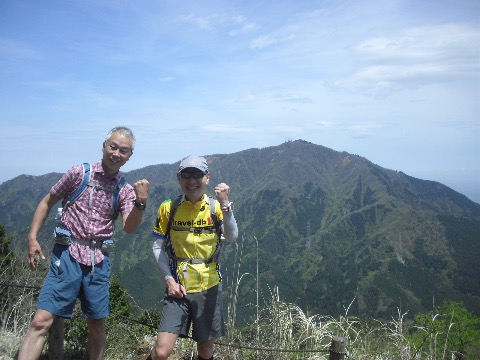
x: 329, y: 227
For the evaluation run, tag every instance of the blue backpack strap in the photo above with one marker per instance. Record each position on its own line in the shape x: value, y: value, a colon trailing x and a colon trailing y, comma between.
x: 87, y: 173
x: 116, y: 195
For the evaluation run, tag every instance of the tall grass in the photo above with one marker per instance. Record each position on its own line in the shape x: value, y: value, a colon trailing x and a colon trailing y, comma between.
x: 279, y: 330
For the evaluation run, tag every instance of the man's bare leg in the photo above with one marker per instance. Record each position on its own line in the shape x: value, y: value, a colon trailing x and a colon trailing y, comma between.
x: 96, y: 343
x: 205, y: 349
x: 163, y: 346
x: 32, y: 345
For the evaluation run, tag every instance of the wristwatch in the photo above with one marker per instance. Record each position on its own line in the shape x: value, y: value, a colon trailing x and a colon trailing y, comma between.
x: 139, y: 205
x: 228, y: 207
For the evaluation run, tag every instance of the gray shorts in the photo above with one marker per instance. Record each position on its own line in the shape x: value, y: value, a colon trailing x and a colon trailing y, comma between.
x: 203, y: 310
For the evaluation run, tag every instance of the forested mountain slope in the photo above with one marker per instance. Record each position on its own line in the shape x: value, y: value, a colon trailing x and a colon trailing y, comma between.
x: 327, y: 227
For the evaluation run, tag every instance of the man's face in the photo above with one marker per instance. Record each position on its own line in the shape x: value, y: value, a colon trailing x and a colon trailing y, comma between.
x: 116, y: 152
x: 193, y: 183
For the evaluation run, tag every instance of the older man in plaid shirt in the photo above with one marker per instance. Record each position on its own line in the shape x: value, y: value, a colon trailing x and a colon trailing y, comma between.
x: 79, y: 268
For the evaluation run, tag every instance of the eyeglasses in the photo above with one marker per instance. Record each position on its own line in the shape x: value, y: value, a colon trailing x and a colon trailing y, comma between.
x: 195, y: 175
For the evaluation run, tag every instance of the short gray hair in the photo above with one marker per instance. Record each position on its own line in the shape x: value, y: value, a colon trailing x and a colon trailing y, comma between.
x: 125, y: 131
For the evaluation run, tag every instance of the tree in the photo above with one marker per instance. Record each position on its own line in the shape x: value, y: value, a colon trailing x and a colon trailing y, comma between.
x: 118, y: 297
x: 451, y: 328
x: 5, y: 253
x: 6, y: 270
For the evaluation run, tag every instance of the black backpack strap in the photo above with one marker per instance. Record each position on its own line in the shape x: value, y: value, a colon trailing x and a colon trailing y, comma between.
x: 213, y: 215
x: 168, y: 244
x: 173, y: 209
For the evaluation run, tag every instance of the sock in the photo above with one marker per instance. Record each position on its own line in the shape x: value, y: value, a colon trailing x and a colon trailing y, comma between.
x: 200, y: 358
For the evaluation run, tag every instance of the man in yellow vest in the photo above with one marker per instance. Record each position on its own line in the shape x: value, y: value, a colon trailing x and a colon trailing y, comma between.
x: 188, y: 235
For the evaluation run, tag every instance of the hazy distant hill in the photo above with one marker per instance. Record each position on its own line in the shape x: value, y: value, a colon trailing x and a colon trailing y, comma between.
x: 330, y: 226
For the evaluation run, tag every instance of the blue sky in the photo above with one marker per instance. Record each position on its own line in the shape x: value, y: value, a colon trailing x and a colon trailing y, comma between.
x: 396, y: 82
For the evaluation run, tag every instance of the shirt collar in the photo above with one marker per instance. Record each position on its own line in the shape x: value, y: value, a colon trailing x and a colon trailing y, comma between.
x: 98, y: 168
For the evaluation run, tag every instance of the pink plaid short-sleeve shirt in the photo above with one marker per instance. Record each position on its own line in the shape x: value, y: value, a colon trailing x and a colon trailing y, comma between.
x: 90, y: 216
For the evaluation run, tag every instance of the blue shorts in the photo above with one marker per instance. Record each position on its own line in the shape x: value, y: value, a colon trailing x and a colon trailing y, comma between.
x: 68, y: 280
x: 202, y: 309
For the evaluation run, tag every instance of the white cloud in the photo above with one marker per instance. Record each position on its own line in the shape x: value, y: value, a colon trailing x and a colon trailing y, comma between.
x: 415, y: 57
x: 266, y: 68
x: 293, y: 98
x: 239, y: 24
x: 242, y: 26
x: 55, y: 84
x: 204, y: 23
x: 449, y: 43
x: 220, y: 128
x: 263, y: 42
x: 245, y: 98
x: 363, y: 130
x: 100, y: 100
x: 166, y: 79
x: 324, y: 124
x: 288, y: 128
x: 13, y: 49
x: 314, y: 13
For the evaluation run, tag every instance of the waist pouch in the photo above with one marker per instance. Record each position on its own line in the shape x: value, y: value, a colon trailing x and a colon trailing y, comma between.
x: 64, y: 237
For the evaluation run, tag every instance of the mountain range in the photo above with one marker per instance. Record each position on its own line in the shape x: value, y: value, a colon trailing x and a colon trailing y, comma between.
x: 327, y: 230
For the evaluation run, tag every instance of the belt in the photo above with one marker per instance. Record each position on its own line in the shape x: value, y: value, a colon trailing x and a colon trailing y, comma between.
x: 63, y: 236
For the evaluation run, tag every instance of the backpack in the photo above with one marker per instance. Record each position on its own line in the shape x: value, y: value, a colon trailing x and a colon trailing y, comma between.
x: 87, y: 175
x: 217, y: 230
